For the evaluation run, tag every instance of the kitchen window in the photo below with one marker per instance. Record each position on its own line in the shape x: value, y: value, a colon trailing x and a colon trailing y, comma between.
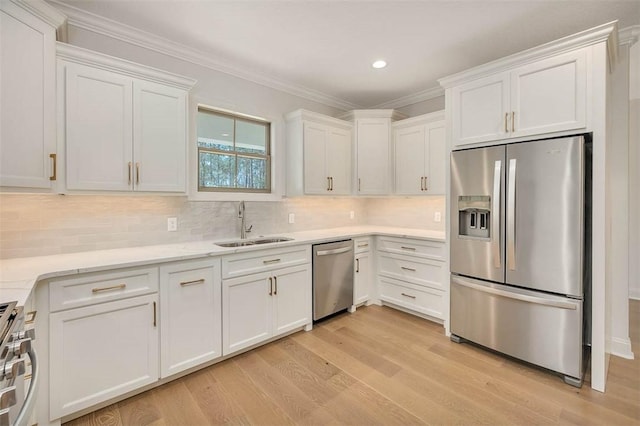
x: 233, y: 152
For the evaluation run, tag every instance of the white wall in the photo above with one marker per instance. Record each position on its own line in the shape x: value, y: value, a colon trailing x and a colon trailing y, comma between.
x: 424, y: 107
x: 634, y: 172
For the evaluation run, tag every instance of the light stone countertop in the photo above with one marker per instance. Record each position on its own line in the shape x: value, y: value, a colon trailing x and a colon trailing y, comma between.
x: 19, y: 276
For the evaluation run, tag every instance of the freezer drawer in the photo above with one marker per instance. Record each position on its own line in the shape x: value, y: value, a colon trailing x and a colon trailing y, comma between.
x: 542, y: 329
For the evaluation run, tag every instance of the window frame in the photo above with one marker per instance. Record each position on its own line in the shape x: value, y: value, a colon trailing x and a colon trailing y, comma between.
x: 236, y: 154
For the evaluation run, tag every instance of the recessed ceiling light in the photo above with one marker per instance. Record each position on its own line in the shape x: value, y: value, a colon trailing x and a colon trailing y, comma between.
x: 379, y: 64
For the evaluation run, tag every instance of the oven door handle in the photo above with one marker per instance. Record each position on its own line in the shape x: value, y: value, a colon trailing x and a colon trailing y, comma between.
x: 25, y: 411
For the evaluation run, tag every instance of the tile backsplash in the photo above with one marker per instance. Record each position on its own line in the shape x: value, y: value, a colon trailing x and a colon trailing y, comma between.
x: 34, y: 225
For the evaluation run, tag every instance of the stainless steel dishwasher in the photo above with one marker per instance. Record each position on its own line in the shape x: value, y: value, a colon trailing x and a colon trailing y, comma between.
x: 332, y: 277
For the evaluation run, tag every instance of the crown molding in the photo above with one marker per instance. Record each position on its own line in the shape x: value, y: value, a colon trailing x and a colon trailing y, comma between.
x: 46, y: 13
x: 303, y: 114
x: 97, y: 24
x: 629, y: 35
x: 70, y: 53
x: 356, y: 114
x: 403, y: 101
x: 419, y: 119
x: 606, y: 32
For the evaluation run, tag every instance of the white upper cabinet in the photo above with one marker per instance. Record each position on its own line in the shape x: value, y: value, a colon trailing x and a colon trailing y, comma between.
x: 480, y: 109
x: 27, y: 104
x: 99, y: 129
x: 420, y: 155
x: 374, y: 161
x: 544, y: 96
x: 373, y: 156
x: 549, y: 95
x: 124, y: 125
x: 160, y: 137
x: 318, y: 154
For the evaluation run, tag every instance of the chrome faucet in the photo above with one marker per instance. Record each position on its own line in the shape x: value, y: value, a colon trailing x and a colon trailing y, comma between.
x: 243, y: 229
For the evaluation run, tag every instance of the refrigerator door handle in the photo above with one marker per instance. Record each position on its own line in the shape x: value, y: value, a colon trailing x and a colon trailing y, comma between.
x: 495, y: 208
x: 511, y: 216
x: 515, y: 296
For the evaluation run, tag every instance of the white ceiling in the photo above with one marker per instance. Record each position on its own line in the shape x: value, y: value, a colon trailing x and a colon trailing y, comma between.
x: 328, y: 46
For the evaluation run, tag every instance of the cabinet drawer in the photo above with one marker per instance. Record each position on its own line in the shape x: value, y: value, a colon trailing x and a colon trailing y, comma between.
x: 253, y: 262
x: 424, y: 272
x: 419, y: 299
x: 361, y: 245
x: 89, y: 289
x: 419, y: 248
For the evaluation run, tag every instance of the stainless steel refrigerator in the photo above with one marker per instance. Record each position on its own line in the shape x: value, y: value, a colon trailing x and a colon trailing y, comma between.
x: 520, y: 251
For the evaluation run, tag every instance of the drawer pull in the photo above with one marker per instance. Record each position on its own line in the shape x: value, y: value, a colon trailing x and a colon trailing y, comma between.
x: 30, y: 317
x: 186, y: 283
x: 270, y: 286
x: 407, y: 269
x: 114, y: 287
x: 275, y: 283
x: 268, y: 262
x: 363, y: 245
x: 155, y: 316
x: 54, y: 175
x: 357, y: 266
x: 408, y: 248
x: 408, y: 295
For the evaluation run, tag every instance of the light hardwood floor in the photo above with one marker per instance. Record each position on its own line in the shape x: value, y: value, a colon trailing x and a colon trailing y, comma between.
x: 380, y: 366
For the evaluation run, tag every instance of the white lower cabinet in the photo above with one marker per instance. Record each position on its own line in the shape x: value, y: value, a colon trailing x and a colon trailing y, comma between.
x: 412, y: 275
x: 101, y: 351
x: 260, y: 306
x: 362, y: 270
x: 191, y: 314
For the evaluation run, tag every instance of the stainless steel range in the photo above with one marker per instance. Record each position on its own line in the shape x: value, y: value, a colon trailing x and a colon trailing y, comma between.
x: 15, y: 353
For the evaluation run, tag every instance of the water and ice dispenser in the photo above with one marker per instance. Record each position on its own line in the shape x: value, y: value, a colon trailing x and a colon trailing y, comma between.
x: 474, y: 214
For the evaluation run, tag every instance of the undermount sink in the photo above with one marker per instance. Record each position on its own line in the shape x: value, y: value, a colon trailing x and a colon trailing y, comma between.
x: 243, y: 243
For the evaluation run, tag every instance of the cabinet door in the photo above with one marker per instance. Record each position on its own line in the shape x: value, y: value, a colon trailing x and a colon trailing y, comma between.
x: 292, y: 298
x: 247, y: 305
x: 98, y: 129
x: 191, y: 320
x: 362, y: 278
x: 436, y: 158
x: 410, y: 160
x: 160, y: 141
x: 373, y: 156
x: 549, y: 95
x: 27, y: 104
x: 339, y: 161
x: 480, y: 109
x: 315, y: 147
x: 100, y: 352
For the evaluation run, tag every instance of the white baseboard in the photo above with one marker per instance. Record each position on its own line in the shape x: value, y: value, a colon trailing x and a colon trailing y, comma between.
x: 621, y: 347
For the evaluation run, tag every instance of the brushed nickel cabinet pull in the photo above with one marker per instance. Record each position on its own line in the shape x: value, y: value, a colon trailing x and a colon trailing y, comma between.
x: 268, y: 262
x: 270, y: 286
x: 186, y: 283
x: 331, y: 183
x: 421, y: 183
x: 357, y: 265
x: 328, y: 183
x: 155, y: 323
x: 513, y: 121
x: 30, y: 317
x: 358, y: 184
x: 54, y: 175
x: 113, y: 287
x: 130, y: 171
x: 407, y: 269
x: 137, y: 173
x: 506, y: 122
x: 425, y: 184
x: 408, y: 295
x: 408, y: 248
x: 275, y: 283
x: 363, y: 245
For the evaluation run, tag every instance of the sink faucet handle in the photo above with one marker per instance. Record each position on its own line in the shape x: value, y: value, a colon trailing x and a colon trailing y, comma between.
x: 249, y: 228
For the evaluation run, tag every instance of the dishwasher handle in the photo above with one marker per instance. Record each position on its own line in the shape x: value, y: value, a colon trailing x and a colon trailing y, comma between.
x: 333, y: 251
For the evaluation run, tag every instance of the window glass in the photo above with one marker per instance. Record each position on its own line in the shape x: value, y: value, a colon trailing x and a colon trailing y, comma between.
x: 233, y: 153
